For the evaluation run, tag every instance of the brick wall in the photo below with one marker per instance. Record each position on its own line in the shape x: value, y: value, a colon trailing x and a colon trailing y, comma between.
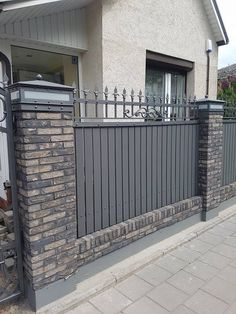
x: 210, y: 157
x: 46, y: 193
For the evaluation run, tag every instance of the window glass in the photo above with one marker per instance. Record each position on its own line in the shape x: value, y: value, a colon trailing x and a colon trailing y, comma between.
x: 54, y: 67
x: 164, y: 83
x: 177, y: 85
x: 155, y: 83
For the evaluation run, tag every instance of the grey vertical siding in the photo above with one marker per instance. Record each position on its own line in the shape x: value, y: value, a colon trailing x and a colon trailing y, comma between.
x: 67, y: 28
x: 229, y: 152
x: 125, y: 170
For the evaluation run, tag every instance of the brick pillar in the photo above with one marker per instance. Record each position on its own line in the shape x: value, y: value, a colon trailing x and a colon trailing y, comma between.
x: 210, y: 153
x: 44, y: 148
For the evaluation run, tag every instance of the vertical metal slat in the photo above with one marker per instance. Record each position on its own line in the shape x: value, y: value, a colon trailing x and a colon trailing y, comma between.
x: 119, y: 192
x: 131, y: 172
x: 80, y: 182
x: 89, y: 195
x: 104, y: 176
x: 97, y: 179
x: 112, y: 175
x: 125, y: 172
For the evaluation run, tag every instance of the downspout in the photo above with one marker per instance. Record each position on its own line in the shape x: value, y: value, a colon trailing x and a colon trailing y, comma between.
x: 208, y: 74
x: 208, y: 51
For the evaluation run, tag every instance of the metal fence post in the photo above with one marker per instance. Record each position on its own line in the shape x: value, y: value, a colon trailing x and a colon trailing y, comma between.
x: 210, y: 153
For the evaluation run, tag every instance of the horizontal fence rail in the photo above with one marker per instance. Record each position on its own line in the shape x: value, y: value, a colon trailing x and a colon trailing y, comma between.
x: 126, y: 170
x: 95, y: 106
x: 229, y: 151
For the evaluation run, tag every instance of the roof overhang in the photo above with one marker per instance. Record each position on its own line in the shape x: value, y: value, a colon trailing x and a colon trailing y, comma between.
x: 20, y: 8
x: 16, y: 10
x: 216, y: 22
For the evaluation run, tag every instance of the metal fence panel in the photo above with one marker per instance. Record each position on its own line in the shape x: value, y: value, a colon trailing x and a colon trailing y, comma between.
x: 127, y: 170
x: 229, y: 152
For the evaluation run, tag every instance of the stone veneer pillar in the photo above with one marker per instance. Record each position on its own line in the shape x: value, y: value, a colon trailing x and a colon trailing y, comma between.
x: 45, y: 157
x: 210, y: 153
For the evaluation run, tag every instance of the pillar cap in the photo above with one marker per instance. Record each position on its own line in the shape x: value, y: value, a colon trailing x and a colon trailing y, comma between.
x: 208, y: 105
x: 39, y: 95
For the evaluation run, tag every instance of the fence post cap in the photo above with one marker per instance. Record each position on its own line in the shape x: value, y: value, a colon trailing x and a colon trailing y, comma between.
x: 210, y: 105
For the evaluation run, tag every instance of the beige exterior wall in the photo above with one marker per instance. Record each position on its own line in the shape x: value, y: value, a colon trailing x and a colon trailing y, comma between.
x: 129, y: 28
x: 91, y: 60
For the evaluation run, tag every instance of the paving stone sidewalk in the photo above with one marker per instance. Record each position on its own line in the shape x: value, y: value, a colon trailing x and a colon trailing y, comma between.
x: 198, y: 277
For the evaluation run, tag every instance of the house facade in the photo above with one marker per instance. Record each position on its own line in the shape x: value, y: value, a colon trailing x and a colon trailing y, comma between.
x: 113, y: 43
x: 156, y: 46
x: 166, y: 48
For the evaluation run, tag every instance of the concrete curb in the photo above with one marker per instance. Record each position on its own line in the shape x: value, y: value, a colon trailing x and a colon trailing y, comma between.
x: 120, y: 271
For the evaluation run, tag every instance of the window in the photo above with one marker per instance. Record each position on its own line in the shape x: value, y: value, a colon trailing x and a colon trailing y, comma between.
x: 166, y: 76
x: 54, y: 67
x: 165, y: 84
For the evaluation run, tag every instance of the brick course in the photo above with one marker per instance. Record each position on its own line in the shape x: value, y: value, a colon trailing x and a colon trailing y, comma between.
x: 227, y: 191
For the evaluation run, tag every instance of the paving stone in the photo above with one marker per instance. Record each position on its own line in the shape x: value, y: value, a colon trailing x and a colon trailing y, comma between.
x: 231, y: 309
x: 153, y: 274
x: 186, y: 254
x: 228, y: 274
x: 232, y: 219
x: 201, y: 270
x: 185, y: 282
x: 225, y: 250
x: 229, y: 225
x: 134, y: 287
x: 85, y: 308
x: 182, y: 310
x: 221, y: 289
x: 203, y: 303
x: 110, y: 301
x: 211, y: 238
x: 223, y: 232
x: 215, y: 259
x: 171, y: 263
x: 145, y: 305
x: 233, y: 263
x: 167, y: 296
x: 231, y: 241
x: 198, y: 246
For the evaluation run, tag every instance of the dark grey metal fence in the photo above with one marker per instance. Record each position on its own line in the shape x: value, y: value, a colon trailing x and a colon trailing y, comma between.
x: 116, y: 106
x: 229, y: 151
x: 135, y: 164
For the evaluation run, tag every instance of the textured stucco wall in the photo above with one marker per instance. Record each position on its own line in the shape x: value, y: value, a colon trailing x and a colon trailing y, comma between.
x: 91, y: 61
x: 171, y: 27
